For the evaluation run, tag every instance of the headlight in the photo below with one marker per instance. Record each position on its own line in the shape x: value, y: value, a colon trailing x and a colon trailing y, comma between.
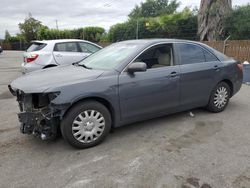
x: 53, y: 95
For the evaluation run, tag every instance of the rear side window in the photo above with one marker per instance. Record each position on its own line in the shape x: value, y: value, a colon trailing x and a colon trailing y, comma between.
x: 191, y: 54
x: 66, y: 47
x: 88, y: 48
x: 36, y: 47
x: 209, y: 57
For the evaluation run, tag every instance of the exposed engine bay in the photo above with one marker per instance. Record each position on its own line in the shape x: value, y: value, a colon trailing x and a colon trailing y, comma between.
x: 38, y: 116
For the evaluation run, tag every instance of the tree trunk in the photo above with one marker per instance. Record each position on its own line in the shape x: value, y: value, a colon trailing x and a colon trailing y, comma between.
x: 210, y: 18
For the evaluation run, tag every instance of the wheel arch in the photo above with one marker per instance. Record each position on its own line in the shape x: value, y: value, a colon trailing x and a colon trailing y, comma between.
x: 49, y: 66
x: 101, y: 100
x: 230, y: 84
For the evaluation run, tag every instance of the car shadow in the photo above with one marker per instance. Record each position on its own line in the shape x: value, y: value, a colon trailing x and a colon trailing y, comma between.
x: 140, y: 132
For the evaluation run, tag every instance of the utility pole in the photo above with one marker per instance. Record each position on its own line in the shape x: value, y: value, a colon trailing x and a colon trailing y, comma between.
x: 137, y: 29
x: 20, y: 44
x: 57, y: 24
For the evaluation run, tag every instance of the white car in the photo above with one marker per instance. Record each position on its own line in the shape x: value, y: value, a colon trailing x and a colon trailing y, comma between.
x: 1, y: 49
x: 50, y: 53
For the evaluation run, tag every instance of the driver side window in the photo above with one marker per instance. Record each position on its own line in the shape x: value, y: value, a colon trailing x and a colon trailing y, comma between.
x: 157, y: 56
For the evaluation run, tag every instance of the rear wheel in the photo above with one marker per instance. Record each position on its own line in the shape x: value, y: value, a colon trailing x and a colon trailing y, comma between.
x: 86, y: 124
x: 219, y: 98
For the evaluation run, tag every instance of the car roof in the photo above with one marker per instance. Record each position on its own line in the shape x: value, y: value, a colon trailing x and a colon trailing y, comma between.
x: 155, y: 41
x: 149, y: 42
x: 60, y: 40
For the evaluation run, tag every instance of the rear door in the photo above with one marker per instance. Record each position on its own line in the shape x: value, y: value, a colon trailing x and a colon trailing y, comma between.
x: 200, y: 70
x: 67, y: 53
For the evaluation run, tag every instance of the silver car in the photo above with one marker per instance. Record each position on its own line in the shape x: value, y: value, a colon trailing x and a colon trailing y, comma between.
x: 1, y: 49
x: 50, y: 53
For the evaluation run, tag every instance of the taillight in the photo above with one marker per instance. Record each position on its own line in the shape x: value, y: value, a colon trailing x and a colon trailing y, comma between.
x: 31, y: 58
x: 240, y: 66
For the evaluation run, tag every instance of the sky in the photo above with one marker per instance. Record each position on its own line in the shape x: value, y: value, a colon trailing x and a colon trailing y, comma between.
x: 73, y: 13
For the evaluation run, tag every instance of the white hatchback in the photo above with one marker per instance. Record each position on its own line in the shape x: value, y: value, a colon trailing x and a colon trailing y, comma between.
x: 50, y: 53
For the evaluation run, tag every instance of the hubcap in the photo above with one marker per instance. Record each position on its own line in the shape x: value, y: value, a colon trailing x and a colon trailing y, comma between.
x: 88, y: 126
x: 221, y: 97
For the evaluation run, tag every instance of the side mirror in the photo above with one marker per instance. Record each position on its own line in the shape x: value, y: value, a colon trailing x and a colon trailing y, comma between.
x: 137, y: 67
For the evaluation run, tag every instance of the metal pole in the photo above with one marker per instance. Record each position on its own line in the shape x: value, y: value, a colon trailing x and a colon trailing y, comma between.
x: 137, y: 29
x: 225, y: 44
x: 57, y: 24
x: 20, y: 43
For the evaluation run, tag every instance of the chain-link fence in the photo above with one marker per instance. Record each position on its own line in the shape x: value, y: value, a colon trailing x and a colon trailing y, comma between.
x: 22, y: 46
x: 238, y: 49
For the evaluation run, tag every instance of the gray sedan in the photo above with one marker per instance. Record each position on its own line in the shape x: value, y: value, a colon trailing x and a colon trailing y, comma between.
x: 126, y: 82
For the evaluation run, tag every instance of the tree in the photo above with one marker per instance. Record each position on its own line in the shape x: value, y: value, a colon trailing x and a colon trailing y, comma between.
x: 210, y: 18
x: 7, y: 35
x: 153, y: 8
x: 93, y: 33
x: 237, y: 23
x: 181, y: 25
x: 30, y: 27
x: 89, y: 33
x: 178, y: 25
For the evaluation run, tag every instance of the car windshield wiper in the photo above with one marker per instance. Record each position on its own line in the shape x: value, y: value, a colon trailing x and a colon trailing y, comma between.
x: 82, y: 65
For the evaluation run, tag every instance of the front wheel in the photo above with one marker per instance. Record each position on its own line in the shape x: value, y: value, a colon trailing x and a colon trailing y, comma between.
x: 86, y: 124
x: 219, y: 98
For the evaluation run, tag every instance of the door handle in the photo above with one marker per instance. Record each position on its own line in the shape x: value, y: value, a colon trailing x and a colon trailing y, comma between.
x: 173, y: 74
x: 216, y: 68
x: 58, y: 55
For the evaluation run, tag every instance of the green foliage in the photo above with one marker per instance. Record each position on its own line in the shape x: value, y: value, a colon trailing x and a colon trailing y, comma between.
x: 50, y: 34
x: 104, y: 38
x: 29, y: 28
x: 13, y: 39
x: 122, y: 31
x: 78, y: 33
x: 153, y: 8
x: 33, y: 29
x: 93, y: 34
x: 7, y: 35
x: 237, y: 24
x: 178, y: 25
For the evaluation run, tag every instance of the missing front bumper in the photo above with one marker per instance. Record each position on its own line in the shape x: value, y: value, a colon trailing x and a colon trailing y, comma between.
x: 38, y: 115
x: 28, y: 122
x: 38, y: 125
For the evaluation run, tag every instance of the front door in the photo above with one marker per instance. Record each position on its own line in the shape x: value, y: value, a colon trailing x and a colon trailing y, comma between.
x: 154, y: 91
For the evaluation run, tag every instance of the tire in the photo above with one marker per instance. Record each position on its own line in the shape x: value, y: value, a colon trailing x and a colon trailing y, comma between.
x: 86, y: 124
x: 219, y: 98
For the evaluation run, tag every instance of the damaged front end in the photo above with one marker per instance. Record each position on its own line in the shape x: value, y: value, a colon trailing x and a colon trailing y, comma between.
x: 38, y: 115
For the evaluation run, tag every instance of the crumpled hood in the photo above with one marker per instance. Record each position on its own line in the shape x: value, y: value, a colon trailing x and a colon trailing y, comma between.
x: 42, y: 80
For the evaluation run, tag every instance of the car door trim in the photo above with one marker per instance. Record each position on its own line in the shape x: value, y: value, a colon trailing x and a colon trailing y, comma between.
x: 175, y: 53
x: 199, y: 45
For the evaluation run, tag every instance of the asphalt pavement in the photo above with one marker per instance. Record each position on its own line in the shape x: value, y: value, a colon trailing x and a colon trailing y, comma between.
x: 197, y: 150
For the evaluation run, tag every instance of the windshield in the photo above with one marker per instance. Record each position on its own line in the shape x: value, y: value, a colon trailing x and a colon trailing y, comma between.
x: 110, y: 57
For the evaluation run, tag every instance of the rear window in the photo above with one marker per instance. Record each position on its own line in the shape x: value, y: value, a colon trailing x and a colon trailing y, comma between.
x: 191, y: 54
x: 36, y: 47
x: 219, y: 55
